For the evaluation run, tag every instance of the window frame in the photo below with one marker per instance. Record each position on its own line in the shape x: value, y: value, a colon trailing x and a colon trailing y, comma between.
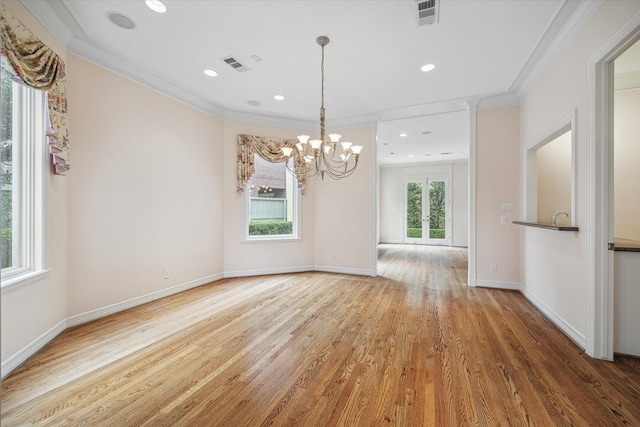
x: 296, y: 228
x: 29, y: 124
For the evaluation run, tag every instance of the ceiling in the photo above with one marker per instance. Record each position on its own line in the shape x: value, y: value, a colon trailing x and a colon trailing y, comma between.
x: 372, y: 64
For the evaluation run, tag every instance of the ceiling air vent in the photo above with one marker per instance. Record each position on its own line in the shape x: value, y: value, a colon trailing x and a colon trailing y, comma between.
x: 235, y: 64
x: 427, y: 12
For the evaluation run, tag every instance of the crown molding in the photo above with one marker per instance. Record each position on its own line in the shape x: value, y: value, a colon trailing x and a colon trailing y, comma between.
x: 448, y: 106
x: 45, y: 13
x: 579, y: 18
x: 49, y: 12
x: 130, y: 71
x: 498, y: 101
x: 272, y: 121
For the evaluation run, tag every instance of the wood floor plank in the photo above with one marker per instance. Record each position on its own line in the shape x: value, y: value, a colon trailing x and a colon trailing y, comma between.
x: 412, y: 347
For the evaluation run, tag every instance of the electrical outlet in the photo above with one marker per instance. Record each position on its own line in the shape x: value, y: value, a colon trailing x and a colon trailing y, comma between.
x: 333, y: 257
x: 503, y: 219
x: 493, y: 268
x: 167, y: 273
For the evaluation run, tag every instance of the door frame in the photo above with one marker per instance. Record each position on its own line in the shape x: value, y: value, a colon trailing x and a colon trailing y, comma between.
x: 600, y: 308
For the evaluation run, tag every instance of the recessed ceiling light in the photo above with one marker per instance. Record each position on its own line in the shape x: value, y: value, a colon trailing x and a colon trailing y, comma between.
x: 156, y: 6
x: 210, y: 73
x: 426, y: 132
x: 121, y: 20
x: 278, y: 97
x: 385, y: 143
x: 392, y: 153
x: 427, y: 67
x: 428, y: 154
x: 254, y: 103
x: 410, y: 155
x: 403, y: 135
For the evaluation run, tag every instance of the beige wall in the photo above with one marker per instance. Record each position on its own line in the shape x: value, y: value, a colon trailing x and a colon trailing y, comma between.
x: 344, y: 212
x: 460, y: 204
x: 627, y: 164
x: 145, y: 190
x: 554, y: 264
x: 554, y: 179
x: 38, y: 307
x: 249, y: 258
x: 497, y: 182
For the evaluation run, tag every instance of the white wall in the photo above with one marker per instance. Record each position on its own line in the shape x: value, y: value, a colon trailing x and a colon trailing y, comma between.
x: 554, y: 264
x: 37, y: 310
x: 391, y: 205
x: 392, y: 198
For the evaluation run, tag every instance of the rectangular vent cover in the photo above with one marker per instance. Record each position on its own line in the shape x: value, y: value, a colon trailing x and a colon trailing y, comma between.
x: 427, y: 12
x: 235, y: 64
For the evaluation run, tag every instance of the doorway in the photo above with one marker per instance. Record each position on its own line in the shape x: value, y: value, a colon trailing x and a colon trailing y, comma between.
x: 601, y: 307
x: 426, y: 212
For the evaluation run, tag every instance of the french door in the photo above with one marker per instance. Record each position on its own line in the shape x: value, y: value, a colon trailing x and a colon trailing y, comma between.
x: 426, y: 212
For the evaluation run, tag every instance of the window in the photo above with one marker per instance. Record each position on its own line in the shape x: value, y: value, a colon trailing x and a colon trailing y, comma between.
x: 23, y: 126
x: 272, y: 202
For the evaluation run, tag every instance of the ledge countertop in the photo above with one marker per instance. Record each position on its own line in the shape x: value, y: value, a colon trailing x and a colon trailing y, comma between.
x: 626, y: 245
x: 546, y: 225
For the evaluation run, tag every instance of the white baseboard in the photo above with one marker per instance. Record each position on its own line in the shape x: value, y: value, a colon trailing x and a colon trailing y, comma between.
x: 88, y: 316
x: 565, y: 327
x: 345, y: 270
x: 497, y: 284
x: 17, y: 359
x: 265, y: 271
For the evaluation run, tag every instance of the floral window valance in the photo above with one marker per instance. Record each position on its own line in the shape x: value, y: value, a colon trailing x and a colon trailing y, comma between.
x: 270, y: 150
x: 39, y: 67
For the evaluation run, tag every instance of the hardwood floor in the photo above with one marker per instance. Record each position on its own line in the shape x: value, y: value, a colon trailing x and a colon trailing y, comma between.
x: 413, y: 347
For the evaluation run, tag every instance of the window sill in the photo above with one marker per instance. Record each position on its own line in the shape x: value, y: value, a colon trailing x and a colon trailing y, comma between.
x: 274, y: 239
x: 22, y: 279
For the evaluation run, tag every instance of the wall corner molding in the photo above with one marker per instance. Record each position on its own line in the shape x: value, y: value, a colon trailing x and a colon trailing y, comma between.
x: 571, y: 332
x: 32, y: 348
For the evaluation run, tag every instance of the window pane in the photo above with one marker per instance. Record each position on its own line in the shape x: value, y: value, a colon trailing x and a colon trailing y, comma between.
x: 414, y: 210
x: 271, y: 199
x: 10, y: 173
x: 437, y: 210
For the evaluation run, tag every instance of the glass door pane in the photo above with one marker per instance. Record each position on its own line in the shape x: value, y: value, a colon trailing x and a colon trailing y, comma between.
x: 437, y: 210
x: 414, y: 212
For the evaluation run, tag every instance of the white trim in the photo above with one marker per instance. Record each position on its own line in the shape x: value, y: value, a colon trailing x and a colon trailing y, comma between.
x: 599, y: 310
x: 576, y: 22
x: 499, y: 101
x: 375, y: 203
x: 472, y: 275
x: 345, y: 270
x: 32, y: 348
x: 23, y: 279
x: 98, y: 313
x: 495, y: 284
x: 267, y: 271
x: 557, y: 320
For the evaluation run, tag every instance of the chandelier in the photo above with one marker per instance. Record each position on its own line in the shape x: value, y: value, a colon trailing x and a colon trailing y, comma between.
x: 321, y: 156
